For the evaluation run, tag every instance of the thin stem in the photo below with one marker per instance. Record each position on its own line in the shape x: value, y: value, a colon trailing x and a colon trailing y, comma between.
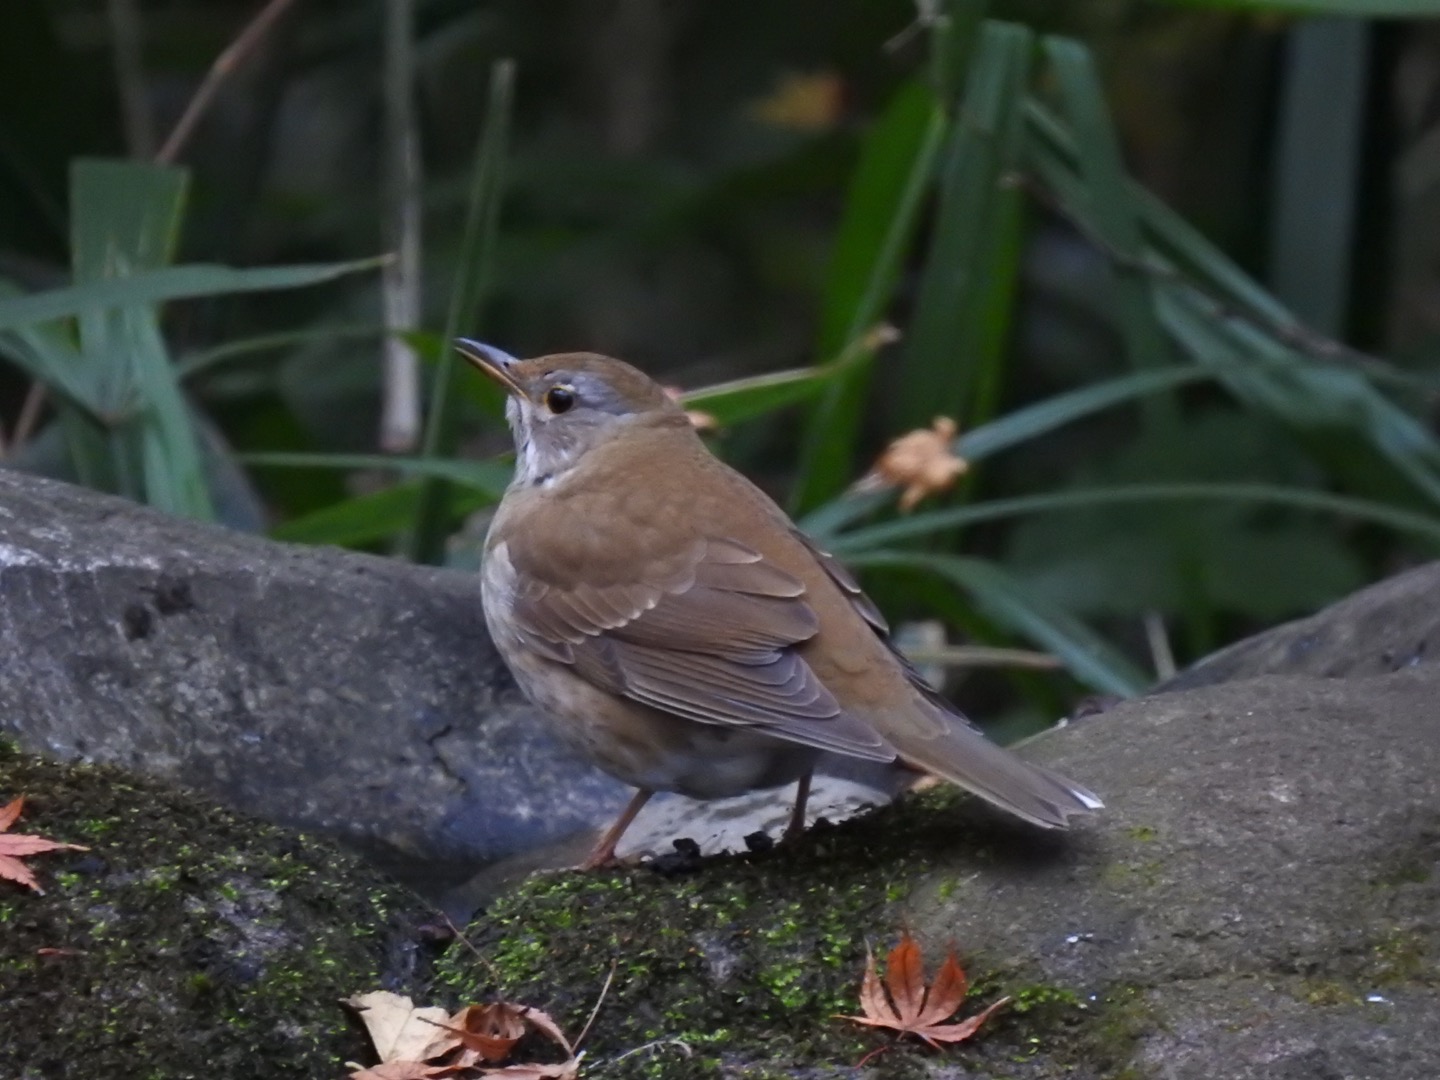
x: 401, y: 284
x: 135, y: 114
x: 224, y: 66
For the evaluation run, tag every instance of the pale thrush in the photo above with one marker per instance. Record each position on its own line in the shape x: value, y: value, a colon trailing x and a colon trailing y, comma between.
x: 680, y: 630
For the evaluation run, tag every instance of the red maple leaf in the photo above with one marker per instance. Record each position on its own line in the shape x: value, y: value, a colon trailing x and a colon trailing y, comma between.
x: 14, y: 847
x: 909, y: 1007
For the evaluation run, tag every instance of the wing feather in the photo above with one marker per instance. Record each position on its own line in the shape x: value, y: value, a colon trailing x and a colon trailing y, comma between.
x: 711, y: 639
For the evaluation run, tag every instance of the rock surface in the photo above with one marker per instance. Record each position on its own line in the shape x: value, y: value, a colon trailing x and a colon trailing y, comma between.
x: 351, y: 695
x: 1260, y: 899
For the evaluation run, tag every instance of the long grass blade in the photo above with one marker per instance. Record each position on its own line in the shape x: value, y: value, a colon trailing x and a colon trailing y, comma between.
x: 1085, y: 654
x: 426, y: 541
x: 1422, y: 527
x: 882, y: 211
x: 169, y: 283
x: 955, y: 348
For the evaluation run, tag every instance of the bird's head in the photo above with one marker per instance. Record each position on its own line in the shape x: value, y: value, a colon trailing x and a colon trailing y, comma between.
x: 562, y: 406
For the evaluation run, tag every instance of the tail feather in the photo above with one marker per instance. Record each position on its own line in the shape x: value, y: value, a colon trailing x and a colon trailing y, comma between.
x: 965, y: 757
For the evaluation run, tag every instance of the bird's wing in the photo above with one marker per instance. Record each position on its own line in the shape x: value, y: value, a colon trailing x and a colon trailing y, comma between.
x: 706, y: 632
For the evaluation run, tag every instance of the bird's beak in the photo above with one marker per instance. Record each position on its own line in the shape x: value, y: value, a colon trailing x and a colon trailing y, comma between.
x: 491, y: 362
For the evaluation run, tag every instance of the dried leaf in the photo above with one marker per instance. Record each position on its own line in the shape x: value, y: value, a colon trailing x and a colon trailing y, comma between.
x: 811, y: 102
x: 921, y: 462
x: 909, y: 1008
x: 491, y: 1031
x: 700, y: 421
x: 565, y: 1070
x: 14, y: 847
x: 403, y: 1070
x: 403, y: 1034
x: 544, y: 1023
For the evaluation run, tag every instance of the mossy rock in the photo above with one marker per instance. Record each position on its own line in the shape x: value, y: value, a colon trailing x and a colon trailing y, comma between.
x: 188, y: 941
x: 738, y: 966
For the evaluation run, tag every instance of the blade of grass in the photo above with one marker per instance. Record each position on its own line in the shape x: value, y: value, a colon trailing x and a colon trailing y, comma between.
x: 426, y: 541
x: 125, y: 220
x: 1015, y: 428
x: 488, y: 477
x: 1307, y: 395
x: 1115, y: 216
x: 1316, y: 169
x: 204, y: 360
x: 954, y: 30
x: 400, y: 281
x: 882, y: 210
x: 955, y: 346
x: 1085, y: 654
x: 1364, y: 9
x: 1422, y: 527
x: 169, y: 283
x: 372, y: 518
x: 737, y: 400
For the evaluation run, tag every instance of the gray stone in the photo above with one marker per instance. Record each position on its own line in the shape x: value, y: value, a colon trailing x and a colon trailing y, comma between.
x: 351, y: 695
x: 1261, y: 895
x: 1391, y: 625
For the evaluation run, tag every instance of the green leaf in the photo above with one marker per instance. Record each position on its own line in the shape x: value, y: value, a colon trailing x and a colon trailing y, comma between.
x: 1085, y: 654
x: 202, y: 361
x: 738, y: 400
x: 125, y: 221
x: 368, y: 519
x: 1363, y: 9
x: 169, y: 283
x: 1014, y: 429
x: 1422, y: 527
x: 955, y: 347
x: 488, y: 477
x: 426, y: 542
x: 882, y: 210
x: 1115, y: 213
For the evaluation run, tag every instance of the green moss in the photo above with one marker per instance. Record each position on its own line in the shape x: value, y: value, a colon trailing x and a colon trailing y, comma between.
x: 197, y: 942
x: 1323, y: 992
x: 1399, y: 956
x: 748, y: 960
x: 1142, y: 833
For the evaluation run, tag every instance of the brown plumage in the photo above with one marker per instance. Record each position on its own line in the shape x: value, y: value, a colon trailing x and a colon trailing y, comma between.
x: 676, y: 625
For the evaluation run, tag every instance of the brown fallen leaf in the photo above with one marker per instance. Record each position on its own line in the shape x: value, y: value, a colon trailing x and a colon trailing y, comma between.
x: 404, y: 1070
x: 15, y: 846
x: 565, y: 1070
x: 909, y: 1008
x: 922, y: 462
x: 490, y: 1031
x: 402, y: 1033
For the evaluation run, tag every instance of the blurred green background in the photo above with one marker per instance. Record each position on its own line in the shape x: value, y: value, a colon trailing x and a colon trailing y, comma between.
x: 1172, y: 266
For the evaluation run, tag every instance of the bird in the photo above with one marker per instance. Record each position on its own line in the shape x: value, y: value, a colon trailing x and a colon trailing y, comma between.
x: 680, y: 631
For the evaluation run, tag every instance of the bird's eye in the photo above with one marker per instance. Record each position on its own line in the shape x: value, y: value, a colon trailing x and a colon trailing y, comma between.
x: 558, y: 399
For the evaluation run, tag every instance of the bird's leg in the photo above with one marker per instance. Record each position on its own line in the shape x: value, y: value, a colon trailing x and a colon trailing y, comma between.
x: 603, y: 853
x: 797, y: 815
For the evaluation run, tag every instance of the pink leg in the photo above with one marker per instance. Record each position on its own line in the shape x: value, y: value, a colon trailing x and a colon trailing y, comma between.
x: 797, y: 815
x: 604, y: 851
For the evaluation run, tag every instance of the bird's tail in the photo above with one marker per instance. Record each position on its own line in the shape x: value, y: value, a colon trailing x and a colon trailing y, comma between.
x: 964, y: 756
